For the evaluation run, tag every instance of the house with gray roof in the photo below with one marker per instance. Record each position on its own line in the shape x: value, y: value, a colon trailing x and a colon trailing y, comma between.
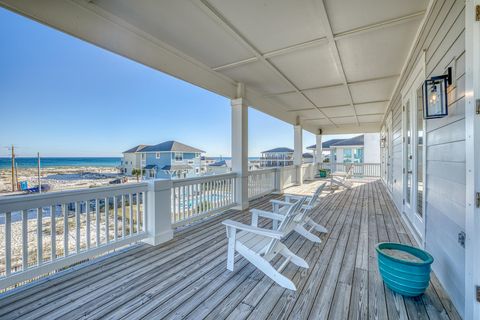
x: 281, y: 157
x: 363, y: 148
x: 166, y: 160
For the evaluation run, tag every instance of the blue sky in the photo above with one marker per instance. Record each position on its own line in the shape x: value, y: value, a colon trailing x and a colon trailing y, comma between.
x: 61, y: 96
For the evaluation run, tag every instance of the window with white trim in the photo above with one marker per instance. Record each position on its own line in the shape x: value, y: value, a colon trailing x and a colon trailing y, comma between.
x: 178, y: 156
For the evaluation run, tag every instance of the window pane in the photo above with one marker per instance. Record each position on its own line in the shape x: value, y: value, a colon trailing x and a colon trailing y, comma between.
x: 420, y: 151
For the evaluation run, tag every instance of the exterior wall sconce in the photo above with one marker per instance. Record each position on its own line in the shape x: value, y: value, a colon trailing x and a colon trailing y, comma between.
x: 383, y: 140
x: 435, y: 95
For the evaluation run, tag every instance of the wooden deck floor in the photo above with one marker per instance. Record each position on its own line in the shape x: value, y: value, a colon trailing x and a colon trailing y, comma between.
x: 187, y: 277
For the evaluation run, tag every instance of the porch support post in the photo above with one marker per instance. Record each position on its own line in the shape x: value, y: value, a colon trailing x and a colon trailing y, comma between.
x: 158, y: 215
x: 297, y: 151
x: 319, y: 149
x: 240, y: 150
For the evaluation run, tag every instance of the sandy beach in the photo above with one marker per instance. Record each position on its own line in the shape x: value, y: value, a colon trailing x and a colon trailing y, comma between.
x: 61, y: 178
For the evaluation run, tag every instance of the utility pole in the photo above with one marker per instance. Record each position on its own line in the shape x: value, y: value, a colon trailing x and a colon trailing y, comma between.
x: 13, y: 168
x: 38, y: 173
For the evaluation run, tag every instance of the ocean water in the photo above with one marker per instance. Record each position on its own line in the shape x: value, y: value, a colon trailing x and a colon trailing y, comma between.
x: 23, y: 162
x: 5, y: 163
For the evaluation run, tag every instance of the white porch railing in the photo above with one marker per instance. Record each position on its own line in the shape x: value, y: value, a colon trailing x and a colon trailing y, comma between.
x: 196, y: 198
x: 261, y: 182
x: 46, y: 232
x: 288, y: 176
x: 359, y: 169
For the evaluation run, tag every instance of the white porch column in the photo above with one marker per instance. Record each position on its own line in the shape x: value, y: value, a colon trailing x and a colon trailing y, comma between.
x: 319, y: 149
x: 240, y: 151
x: 297, y: 151
x: 158, y: 215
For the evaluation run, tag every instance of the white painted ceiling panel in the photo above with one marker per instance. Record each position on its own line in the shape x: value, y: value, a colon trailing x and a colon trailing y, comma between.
x: 259, y: 76
x: 378, y: 53
x: 330, y: 96
x: 293, y: 100
x: 310, y: 114
x: 338, y: 111
x: 181, y: 25
x: 371, y: 108
x: 271, y: 25
x: 376, y: 90
x: 344, y: 120
x: 370, y: 118
x: 309, y: 68
x: 319, y: 122
x: 350, y: 14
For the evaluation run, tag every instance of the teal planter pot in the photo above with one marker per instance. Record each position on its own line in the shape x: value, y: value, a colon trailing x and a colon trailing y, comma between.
x: 408, y: 278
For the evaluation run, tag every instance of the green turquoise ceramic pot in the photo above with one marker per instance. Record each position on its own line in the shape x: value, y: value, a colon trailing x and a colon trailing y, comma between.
x: 408, y: 278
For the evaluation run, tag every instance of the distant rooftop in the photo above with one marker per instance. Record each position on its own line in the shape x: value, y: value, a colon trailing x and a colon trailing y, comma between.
x: 307, y: 155
x: 279, y: 150
x: 167, y: 146
x: 355, y: 141
x: 136, y: 149
x: 176, y: 167
x: 221, y: 163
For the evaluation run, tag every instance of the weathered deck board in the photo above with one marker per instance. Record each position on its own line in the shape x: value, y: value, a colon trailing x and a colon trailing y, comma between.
x: 187, y: 277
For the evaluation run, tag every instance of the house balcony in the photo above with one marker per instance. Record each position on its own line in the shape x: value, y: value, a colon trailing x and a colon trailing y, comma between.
x: 186, y: 276
x: 325, y: 66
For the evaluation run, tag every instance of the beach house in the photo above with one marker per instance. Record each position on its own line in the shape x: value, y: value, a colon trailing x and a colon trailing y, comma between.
x: 363, y: 148
x: 408, y: 69
x: 166, y: 160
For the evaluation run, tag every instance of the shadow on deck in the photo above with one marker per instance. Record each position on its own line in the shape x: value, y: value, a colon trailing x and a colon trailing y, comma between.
x: 187, y: 277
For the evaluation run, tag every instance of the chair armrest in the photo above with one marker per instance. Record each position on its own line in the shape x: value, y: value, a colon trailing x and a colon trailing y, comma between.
x: 256, y: 230
x: 282, y: 203
x: 295, y: 197
x: 267, y: 214
x: 307, y: 207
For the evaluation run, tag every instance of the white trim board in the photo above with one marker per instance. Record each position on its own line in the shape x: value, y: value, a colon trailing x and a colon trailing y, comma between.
x: 472, y: 147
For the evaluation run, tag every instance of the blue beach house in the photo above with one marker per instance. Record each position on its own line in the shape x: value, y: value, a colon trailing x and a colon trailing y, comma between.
x: 166, y: 160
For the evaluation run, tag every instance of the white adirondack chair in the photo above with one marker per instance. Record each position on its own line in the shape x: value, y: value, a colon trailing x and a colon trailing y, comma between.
x: 259, y: 246
x: 342, y: 179
x: 302, y: 223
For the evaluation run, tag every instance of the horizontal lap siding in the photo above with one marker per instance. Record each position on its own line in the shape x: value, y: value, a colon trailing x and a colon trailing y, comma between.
x: 443, y: 39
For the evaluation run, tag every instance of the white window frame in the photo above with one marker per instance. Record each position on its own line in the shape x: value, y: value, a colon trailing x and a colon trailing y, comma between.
x: 175, y: 156
x: 157, y: 155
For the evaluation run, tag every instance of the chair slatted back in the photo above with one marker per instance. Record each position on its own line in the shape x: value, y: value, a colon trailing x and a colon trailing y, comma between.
x: 290, y: 215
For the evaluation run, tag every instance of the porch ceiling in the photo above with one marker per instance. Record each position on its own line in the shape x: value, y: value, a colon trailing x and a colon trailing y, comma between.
x: 333, y: 64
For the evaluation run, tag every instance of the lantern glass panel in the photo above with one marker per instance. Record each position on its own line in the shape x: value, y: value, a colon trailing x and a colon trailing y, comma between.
x: 435, y: 98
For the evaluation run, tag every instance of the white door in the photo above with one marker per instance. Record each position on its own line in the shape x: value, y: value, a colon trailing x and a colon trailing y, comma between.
x: 414, y: 153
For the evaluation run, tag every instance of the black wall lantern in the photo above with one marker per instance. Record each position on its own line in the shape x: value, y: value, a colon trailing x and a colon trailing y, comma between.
x: 435, y: 95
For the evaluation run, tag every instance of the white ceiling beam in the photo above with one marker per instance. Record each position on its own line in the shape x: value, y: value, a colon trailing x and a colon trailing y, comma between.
x: 274, y: 53
x: 379, y: 25
x: 228, y: 27
x: 324, y: 40
x: 334, y: 85
x: 322, y: 12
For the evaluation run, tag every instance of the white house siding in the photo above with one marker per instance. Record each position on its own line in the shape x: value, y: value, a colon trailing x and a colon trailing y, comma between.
x: 371, y: 147
x: 443, y: 38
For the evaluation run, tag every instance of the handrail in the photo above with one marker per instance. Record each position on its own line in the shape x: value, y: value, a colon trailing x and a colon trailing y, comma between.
x: 200, y: 197
x: 49, y: 231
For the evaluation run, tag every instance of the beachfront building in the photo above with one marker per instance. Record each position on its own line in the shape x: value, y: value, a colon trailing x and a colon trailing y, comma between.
x: 277, y: 157
x: 166, y: 160
x: 133, y: 158
x: 363, y: 148
x: 328, y: 67
x: 218, y: 167
x: 281, y: 157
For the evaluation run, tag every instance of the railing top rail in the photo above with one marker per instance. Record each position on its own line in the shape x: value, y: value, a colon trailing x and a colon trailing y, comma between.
x: 186, y: 181
x: 21, y: 202
x: 261, y: 171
